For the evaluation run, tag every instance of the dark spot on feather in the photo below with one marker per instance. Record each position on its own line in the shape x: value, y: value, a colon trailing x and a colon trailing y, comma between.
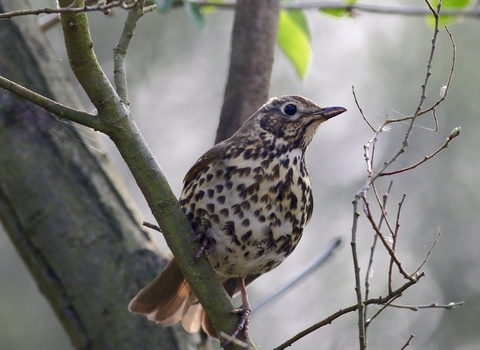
x: 246, y: 236
x: 245, y: 205
x: 199, y: 195
x: 229, y: 228
x: 265, y: 199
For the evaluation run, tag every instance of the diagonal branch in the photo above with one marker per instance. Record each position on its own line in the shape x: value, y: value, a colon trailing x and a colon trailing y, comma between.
x: 51, y: 106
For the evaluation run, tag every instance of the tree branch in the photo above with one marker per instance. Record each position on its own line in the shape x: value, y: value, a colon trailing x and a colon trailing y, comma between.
x: 352, y: 308
x: 51, y: 106
x: 105, y: 8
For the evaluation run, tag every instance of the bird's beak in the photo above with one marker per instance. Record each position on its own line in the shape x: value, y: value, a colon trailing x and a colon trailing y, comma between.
x: 330, y: 112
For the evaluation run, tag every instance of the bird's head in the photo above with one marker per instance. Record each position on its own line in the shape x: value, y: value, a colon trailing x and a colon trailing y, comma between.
x: 292, y: 120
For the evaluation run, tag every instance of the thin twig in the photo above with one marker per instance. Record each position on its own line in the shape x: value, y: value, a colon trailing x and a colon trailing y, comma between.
x: 152, y: 226
x: 384, y: 306
x: 394, y: 243
x: 384, y: 241
x: 445, y: 88
x: 374, y: 244
x: 434, y: 305
x: 124, y: 4
x: 352, y: 308
x: 318, y: 261
x: 356, y: 268
x: 455, y: 132
x: 408, y: 342
x: 121, y: 49
x: 361, y: 110
x: 429, y: 252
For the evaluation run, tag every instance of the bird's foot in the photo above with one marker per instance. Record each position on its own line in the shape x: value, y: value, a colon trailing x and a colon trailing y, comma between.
x: 206, y: 245
x: 242, y: 327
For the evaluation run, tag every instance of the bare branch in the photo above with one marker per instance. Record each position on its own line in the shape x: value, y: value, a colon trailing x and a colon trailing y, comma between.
x: 105, y: 8
x: 356, y: 268
x: 455, y: 132
x: 408, y: 342
x: 394, y: 243
x: 352, y: 308
x: 429, y: 252
x: 374, y: 244
x: 152, y: 226
x: 52, y: 106
x: 318, y: 261
x: 446, y: 88
x: 384, y: 306
x: 366, y: 209
x: 361, y: 110
x: 121, y: 49
x: 434, y: 305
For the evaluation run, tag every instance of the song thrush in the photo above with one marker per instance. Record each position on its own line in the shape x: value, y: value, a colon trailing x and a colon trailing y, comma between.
x: 248, y: 200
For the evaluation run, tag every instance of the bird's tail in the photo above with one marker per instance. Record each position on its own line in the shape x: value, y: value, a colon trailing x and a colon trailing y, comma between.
x: 168, y: 299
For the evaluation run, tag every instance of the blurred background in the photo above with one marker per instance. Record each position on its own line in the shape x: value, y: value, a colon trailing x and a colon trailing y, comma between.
x: 176, y: 80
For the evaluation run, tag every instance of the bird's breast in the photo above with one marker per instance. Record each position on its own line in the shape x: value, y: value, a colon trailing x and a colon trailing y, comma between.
x: 253, y: 208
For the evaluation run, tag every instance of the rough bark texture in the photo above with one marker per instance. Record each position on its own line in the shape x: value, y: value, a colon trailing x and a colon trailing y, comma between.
x: 65, y: 208
x: 63, y: 204
x: 254, y: 36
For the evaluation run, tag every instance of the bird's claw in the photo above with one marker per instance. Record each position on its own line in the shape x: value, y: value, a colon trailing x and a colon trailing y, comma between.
x: 242, y: 327
x: 206, y: 245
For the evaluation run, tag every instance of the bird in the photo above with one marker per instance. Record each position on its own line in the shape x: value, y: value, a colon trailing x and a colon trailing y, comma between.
x: 248, y: 200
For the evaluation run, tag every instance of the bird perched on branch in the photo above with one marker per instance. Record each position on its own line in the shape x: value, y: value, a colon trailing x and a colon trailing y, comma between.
x: 248, y: 200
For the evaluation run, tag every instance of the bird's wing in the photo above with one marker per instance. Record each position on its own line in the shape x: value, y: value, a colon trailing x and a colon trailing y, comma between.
x: 211, y: 155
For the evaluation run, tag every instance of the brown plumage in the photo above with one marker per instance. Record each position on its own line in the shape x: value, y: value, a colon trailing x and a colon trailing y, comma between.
x: 248, y: 200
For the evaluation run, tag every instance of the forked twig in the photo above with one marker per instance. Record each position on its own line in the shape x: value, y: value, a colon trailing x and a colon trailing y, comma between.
x: 390, y: 251
x: 352, y: 308
x: 394, y: 242
x: 455, y: 132
x: 408, y: 342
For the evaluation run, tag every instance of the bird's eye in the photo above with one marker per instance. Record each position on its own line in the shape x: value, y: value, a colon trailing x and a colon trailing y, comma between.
x: 290, y: 109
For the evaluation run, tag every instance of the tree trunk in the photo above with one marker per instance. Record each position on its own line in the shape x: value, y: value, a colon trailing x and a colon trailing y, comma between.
x: 66, y: 209
x: 253, y: 41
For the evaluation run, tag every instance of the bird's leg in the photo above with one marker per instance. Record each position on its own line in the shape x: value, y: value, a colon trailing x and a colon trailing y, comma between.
x: 244, y: 311
x: 206, y: 245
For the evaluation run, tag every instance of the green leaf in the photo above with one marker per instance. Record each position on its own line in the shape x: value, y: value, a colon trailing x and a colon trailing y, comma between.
x: 212, y: 8
x: 164, y: 5
x: 339, y: 12
x: 194, y: 15
x: 445, y: 19
x: 336, y: 12
x: 294, y: 39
